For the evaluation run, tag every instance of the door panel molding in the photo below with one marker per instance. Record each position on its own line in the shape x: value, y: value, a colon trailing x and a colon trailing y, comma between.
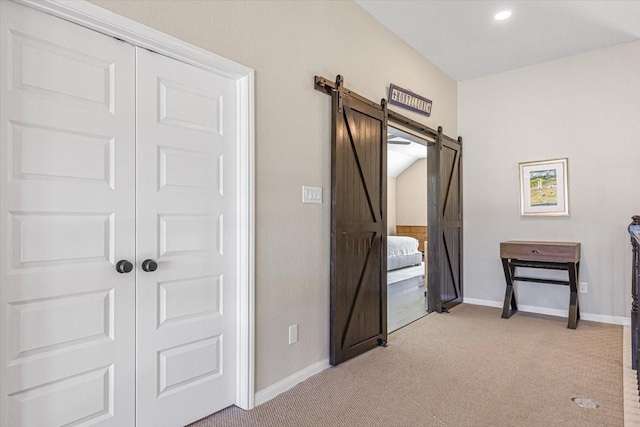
x: 185, y: 370
x: 96, y: 18
x: 103, y: 21
x: 67, y: 120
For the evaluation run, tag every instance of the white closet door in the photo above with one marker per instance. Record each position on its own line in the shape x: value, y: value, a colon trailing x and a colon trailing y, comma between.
x: 67, y: 198
x: 186, y: 221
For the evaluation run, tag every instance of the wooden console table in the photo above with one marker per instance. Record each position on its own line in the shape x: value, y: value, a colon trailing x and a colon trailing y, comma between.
x: 548, y: 255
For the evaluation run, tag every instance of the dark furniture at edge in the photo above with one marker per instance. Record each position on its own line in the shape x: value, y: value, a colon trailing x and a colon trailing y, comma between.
x: 634, y: 232
x: 546, y: 255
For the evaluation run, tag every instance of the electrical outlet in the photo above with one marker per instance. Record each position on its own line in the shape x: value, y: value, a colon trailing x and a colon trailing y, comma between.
x: 584, y: 287
x: 293, y: 334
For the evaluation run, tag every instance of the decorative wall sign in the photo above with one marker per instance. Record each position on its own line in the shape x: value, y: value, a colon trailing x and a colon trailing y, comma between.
x: 406, y: 99
x: 544, y: 188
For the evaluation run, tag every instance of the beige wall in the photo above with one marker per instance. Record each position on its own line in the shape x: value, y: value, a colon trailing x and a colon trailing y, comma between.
x: 584, y: 107
x: 391, y: 206
x: 287, y: 43
x: 411, y: 194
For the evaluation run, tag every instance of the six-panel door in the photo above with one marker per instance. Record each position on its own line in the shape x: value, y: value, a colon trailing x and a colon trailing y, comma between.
x: 67, y: 195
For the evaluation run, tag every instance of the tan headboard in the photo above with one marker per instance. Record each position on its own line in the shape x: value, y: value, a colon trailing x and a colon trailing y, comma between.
x: 416, y: 231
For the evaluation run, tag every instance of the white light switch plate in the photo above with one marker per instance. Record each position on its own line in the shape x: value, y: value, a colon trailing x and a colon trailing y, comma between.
x: 311, y: 194
x: 293, y: 334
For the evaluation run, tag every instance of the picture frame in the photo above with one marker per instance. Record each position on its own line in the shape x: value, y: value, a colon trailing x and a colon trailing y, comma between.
x: 544, y: 188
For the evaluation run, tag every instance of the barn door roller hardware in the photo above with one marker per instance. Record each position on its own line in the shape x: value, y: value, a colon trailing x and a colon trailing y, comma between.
x: 329, y: 87
x: 324, y: 85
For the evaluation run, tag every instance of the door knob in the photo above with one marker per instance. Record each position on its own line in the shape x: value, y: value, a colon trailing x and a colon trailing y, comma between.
x: 149, y: 265
x: 124, y: 266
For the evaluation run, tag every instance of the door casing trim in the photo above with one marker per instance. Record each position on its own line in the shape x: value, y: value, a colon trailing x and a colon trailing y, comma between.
x: 103, y: 21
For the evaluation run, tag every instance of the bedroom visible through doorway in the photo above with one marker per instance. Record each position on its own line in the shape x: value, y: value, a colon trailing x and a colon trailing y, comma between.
x: 406, y: 228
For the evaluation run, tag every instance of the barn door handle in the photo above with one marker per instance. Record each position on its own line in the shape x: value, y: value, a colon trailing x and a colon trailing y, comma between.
x: 124, y: 266
x: 149, y: 265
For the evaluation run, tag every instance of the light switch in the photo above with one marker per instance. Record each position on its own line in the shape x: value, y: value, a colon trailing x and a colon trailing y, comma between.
x: 311, y: 194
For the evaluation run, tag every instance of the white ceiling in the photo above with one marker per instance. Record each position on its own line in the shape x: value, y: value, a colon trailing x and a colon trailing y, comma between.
x: 464, y: 41
x: 400, y: 157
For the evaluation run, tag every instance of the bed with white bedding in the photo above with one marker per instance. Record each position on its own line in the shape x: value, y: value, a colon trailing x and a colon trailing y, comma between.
x: 402, y: 252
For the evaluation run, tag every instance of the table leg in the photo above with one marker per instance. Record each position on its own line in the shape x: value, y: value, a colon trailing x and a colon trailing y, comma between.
x: 578, y: 283
x: 574, y: 304
x: 509, y: 296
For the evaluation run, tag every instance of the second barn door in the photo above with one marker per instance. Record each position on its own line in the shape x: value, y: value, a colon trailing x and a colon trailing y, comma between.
x: 358, y: 227
x: 447, y: 228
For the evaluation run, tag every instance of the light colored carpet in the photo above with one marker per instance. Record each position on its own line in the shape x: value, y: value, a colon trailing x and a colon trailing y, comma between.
x: 395, y: 276
x: 465, y: 368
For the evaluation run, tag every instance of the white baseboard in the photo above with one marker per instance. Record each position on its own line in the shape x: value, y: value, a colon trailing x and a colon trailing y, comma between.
x: 281, y: 386
x: 486, y: 302
x: 601, y: 318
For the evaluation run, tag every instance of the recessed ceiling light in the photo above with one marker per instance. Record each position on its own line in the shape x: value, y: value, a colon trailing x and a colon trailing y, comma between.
x: 501, y: 16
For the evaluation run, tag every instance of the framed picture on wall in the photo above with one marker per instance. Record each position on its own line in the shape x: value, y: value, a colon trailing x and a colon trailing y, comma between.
x: 544, y: 188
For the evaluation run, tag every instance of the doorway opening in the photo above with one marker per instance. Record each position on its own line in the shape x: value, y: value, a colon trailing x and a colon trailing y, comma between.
x: 407, y: 246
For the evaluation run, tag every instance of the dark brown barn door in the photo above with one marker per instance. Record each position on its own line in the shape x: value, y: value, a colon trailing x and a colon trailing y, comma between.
x: 358, y: 226
x: 446, y: 225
